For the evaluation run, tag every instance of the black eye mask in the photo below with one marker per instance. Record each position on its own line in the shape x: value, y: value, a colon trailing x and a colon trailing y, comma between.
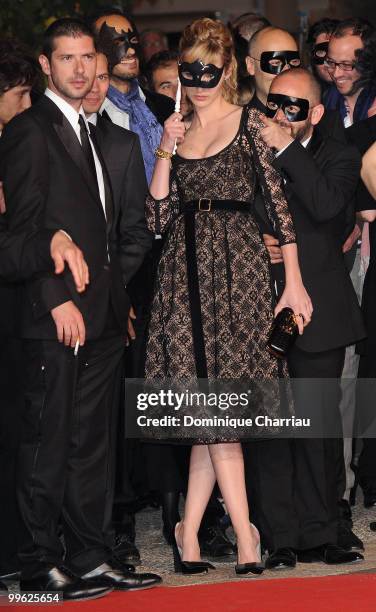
x: 319, y: 53
x: 199, y: 74
x: 295, y: 109
x: 274, y: 62
x: 115, y: 44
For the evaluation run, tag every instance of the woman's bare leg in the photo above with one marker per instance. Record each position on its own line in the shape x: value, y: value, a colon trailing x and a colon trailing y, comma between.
x: 228, y: 463
x: 200, y: 486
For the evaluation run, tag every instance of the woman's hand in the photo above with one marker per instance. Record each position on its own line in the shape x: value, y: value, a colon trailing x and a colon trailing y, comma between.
x: 173, y: 131
x: 296, y: 297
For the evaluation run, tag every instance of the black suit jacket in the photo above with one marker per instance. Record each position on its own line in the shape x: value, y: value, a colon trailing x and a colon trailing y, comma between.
x: 24, y: 254
x: 21, y: 256
x: 48, y: 184
x: 121, y: 151
x: 320, y: 185
x: 161, y: 106
x: 362, y: 135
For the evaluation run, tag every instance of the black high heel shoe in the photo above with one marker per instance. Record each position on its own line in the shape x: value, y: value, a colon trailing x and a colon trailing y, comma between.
x: 255, y: 567
x: 188, y: 567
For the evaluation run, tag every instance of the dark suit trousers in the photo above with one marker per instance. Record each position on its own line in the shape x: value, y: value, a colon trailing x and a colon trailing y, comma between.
x: 65, y: 469
x: 293, y: 483
x: 11, y: 403
x: 367, y: 459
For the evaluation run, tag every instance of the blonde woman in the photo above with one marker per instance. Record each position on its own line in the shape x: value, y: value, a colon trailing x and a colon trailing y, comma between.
x: 213, y: 303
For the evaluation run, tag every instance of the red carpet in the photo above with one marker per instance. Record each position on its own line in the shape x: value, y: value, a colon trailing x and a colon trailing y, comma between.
x: 351, y: 593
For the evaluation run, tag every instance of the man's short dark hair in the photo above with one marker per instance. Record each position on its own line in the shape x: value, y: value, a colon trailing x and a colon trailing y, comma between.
x: 17, y: 66
x: 354, y: 26
x: 248, y: 23
x: 159, y: 60
x: 67, y: 26
x: 366, y: 60
x: 323, y: 26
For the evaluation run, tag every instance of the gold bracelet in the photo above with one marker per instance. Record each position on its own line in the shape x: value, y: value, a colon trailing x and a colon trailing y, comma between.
x: 160, y: 154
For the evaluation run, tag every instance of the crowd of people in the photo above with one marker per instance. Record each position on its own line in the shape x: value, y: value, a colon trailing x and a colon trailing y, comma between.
x: 159, y: 208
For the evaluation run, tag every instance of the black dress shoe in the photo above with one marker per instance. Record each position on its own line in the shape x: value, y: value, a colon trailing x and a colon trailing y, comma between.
x: 331, y: 554
x: 119, y: 580
x: 62, y: 581
x: 214, y: 544
x: 125, y: 550
x: 281, y: 559
x: 369, y: 497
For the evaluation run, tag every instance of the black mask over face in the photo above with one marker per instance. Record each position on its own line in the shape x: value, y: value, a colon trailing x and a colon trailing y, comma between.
x: 295, y: 109
x: 115, y: 45
x: 199, y: 74
x: 274, y: 62
x: 319, y: 53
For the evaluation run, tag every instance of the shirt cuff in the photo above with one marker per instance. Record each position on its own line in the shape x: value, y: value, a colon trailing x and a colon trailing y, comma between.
x: 67, y: 235
x: 284, y: 149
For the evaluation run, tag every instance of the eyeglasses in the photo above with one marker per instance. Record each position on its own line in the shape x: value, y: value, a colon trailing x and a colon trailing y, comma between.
x: 332, y: 65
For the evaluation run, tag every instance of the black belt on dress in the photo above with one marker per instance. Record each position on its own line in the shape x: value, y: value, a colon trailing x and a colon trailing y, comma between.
x: 207, y: 205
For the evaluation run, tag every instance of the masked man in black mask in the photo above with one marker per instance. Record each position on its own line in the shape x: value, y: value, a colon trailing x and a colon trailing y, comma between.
x: 271, y: 51
x: 127, y: 104
x: 295, y: 480
x: 318, y: 42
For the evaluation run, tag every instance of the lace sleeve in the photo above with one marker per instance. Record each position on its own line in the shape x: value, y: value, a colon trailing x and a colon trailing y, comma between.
x: 160, y: 213
x: 271, y: 182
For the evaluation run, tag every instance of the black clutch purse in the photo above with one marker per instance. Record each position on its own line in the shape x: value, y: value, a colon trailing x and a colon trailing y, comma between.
x: 283, y: 333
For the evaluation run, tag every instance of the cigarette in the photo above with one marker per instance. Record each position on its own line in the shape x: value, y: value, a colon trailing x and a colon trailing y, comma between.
x: 77, y: 346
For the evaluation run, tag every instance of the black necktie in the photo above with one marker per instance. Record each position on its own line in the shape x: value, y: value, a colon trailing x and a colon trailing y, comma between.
x: 86, y: 147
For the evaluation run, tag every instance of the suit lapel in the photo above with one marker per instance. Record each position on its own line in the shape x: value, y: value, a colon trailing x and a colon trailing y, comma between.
x: 99, y: 142
x: 71, y: 143
x: 69, y: 140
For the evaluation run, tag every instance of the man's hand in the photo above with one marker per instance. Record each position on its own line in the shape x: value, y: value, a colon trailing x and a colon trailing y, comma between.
x: 355, y: 234
x: 69, y: 323
x: 274, y: 250
x: 274, y: 135
x: 131, y: 334
x: 2, y: 200
x: 64, y: 250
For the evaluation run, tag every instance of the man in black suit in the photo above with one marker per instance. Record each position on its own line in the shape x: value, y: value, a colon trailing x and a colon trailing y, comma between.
x: 54, y: 176
x: 363, y: 136
x: 295, y: 481
x: 21, y: 256
x: 122, y: 154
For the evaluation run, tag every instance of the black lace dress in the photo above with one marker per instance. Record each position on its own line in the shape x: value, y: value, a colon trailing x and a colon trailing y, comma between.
x: 232, y: 310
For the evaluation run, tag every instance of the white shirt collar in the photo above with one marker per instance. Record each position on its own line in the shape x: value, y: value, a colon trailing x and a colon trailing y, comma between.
x: 306, y: 142
x: 68, y: 111
x: 93, y: 118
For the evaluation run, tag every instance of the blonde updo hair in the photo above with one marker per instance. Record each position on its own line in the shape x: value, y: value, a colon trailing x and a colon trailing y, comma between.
x: 206, y: 39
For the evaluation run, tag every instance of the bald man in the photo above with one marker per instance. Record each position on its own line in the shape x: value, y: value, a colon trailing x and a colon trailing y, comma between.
x: 271, y: 51
x: 296, y: 480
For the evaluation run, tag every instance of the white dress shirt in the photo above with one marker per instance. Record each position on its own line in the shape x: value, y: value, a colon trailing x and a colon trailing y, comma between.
x: 72, y: 116
x: 117, y: 116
